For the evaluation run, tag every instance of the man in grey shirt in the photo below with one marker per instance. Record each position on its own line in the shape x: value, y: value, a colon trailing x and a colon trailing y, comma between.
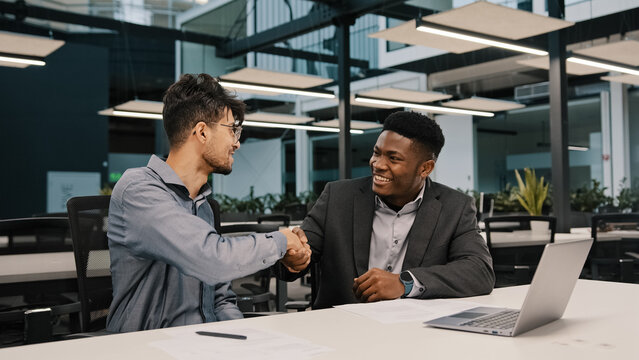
x: 169, y: 266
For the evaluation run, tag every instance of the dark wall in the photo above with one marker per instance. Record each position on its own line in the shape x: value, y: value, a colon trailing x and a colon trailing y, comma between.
x: 49, y: 122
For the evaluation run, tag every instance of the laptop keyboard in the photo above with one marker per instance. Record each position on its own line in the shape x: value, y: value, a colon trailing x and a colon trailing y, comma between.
x: 502, y: 320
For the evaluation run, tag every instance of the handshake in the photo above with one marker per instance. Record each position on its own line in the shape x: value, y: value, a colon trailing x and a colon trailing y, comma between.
x: 298, y: 252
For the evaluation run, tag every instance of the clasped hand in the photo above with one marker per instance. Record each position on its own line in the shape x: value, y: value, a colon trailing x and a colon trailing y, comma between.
x: 298, y: 252
x: 377, y: 284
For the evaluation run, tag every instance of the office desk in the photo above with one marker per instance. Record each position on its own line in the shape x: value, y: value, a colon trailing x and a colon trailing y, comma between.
x: 527, y: 238
x: 44, y: 272
x: 599, y: 323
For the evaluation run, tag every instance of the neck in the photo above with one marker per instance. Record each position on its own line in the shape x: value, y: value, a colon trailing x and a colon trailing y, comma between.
x: 187, y: 165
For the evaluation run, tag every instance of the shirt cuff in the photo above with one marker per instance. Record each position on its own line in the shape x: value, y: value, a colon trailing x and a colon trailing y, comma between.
x: 418, y: 288
x: 280, y: 242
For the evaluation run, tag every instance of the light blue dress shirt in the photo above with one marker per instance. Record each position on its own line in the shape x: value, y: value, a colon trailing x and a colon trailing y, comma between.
x: 388, y: 239
x: 169, y: 266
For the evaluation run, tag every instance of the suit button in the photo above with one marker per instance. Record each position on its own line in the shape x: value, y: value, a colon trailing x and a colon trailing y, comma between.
x: 389, y: 268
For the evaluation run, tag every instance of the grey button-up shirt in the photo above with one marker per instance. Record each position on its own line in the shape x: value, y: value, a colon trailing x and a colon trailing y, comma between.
x: 388, y: 245
x: 169, y: 266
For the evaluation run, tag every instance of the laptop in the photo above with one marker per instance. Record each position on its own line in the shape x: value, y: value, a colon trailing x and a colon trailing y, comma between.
x: 546, y: 300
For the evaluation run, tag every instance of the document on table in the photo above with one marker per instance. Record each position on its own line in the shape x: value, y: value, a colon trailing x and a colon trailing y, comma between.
x: 408, y: 310
x: 260, y: 344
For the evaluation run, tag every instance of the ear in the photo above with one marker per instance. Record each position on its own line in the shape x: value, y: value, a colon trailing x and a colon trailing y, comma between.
x: 426, y: 168
x: 201, y: 131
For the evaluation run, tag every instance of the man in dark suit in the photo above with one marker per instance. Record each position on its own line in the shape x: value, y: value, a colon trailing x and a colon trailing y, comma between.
x: 397, y: 233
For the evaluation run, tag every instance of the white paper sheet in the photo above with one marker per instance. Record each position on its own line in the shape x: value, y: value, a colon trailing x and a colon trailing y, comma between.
x: 408, y: 310
x: 186, y: 344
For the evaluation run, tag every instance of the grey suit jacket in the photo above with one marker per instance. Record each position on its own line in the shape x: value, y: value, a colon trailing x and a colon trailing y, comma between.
x: 445, y: 251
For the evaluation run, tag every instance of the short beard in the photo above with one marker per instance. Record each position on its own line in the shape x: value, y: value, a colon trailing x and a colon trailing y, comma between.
x: 217, y: 167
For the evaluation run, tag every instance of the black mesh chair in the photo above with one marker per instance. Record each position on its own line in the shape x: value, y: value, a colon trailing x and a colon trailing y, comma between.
x: 35, y: 235
x: 516, y: 246
x: 314, y: 276
x: 260, y: 295
x: 35, y: 310
x: 88, y: 219
x: 279, y: 219
x: 615, y: 251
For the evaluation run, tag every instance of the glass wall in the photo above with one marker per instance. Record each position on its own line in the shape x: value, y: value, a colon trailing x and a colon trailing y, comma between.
x: 325, y: 158
x: 521, y: 138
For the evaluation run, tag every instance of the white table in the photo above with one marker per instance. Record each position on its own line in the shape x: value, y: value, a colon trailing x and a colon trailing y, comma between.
x: 46, y: 272
x: 527, y: 238
x: 599, y: 323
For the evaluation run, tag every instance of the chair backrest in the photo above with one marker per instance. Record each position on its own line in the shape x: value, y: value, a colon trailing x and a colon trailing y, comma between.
x: 603, y: 223
x: 260, y: 295
x: 296, y: 211
x: 88, y: 219
x: 34, y: 235
x: 516, y: 223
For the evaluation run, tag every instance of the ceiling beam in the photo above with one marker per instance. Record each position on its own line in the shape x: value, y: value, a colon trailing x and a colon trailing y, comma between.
x: 312, y: 56
x: 21, y: 11
x: 320, y: 16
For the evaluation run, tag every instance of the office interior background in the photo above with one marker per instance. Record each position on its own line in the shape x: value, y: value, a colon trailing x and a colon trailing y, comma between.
x: 55, y: 145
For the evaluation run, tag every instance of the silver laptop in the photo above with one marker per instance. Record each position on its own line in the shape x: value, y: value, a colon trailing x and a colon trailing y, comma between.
x: 547, y: 297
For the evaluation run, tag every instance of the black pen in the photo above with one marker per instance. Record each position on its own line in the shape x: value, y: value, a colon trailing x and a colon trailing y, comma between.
x: 222, y: 335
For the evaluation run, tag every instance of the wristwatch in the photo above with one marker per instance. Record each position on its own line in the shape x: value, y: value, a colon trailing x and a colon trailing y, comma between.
x: 407, y: 279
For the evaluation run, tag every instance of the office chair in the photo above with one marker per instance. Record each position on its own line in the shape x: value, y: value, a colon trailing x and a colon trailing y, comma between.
x: 302, y: 305
x: 88, y: 219
x: 280, y: 219
x: 260, y: 294
x: 616, y: 258
x: 516, y: 265
x: 35, y: 307
x: 35, y: 235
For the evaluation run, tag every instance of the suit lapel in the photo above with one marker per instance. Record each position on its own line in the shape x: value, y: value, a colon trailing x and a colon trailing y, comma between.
x: 422, y: 230
x: 363, y: 211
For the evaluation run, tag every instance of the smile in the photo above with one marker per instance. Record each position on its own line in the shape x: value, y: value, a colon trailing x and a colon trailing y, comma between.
x: 382, y: 179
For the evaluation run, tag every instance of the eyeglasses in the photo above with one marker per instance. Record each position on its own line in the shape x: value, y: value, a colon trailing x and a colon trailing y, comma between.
x: 236, y: 128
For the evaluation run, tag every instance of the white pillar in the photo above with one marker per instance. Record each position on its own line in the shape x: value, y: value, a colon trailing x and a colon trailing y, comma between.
x: 620, y: 149
x: 302, y: 156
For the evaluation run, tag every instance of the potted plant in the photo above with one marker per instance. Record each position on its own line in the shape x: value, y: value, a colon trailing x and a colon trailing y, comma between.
x: 583, y: 202
x: 531, y: 195
x: 628, y: 198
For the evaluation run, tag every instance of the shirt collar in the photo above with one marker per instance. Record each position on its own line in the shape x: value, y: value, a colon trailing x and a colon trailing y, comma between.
x: 408, y: 208
x: 168, y: 175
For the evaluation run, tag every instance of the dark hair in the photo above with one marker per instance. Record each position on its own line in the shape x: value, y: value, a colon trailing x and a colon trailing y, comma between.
x: 196, y: 98
x: 419, y: 128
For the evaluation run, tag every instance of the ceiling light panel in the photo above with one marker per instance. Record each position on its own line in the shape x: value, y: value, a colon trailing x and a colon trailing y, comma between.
x: 21, y: 44
x: 406, y: 33
x: 571, y: 68
x: 355, y: 124
x: 427, y: 108
x: 406, y: 95
x: 496, y: 20
x: 624, y: 52
x: 277, y: 118
x: 625, y: 79
x: 273, y: 78
x: 484, y: 104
